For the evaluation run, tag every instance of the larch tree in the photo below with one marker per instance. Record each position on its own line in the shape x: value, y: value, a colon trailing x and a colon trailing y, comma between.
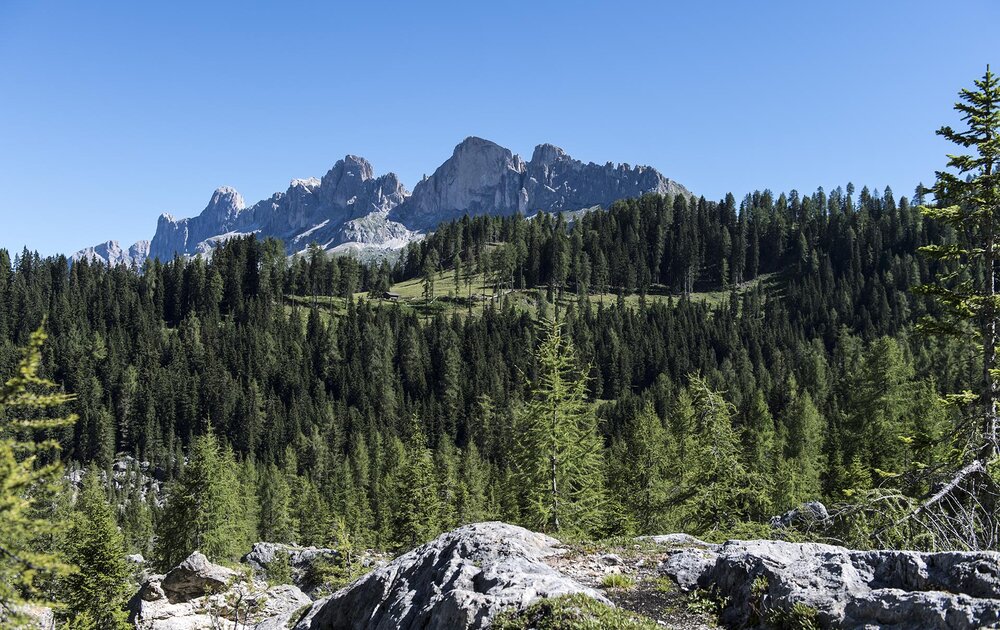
x: 713, y: 488
x: 639, y: 471
x: 23, y: 476
x: 558, y: 461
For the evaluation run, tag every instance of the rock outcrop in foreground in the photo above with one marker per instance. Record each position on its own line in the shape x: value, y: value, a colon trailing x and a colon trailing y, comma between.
x: 844, y: 588
x: 465, y: 578
x: 462, y: 579
x: 198, y: 594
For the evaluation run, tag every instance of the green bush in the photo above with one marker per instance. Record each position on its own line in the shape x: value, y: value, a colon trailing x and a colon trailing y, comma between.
x: 279, y: 571
x: 798, y: 617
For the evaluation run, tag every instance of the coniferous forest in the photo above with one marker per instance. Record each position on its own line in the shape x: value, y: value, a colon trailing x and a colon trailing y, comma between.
x: 671, y: 363
x: 819, y: 384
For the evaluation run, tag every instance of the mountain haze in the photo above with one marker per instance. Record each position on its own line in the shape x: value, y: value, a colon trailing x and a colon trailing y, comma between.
x: 352, y: 208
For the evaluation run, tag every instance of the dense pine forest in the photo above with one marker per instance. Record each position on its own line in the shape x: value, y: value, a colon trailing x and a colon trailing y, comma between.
x: 809, y: 384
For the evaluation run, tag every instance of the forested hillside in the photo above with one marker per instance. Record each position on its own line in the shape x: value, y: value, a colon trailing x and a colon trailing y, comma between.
x: 811, y: 385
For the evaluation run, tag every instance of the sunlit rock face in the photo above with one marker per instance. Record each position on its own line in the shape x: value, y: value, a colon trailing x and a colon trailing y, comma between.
x: 350, y: 208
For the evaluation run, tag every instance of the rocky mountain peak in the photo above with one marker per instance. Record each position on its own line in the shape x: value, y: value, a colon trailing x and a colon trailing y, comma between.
x: 352, y: 207
x: 355, y: 166
x: 112, y: 253
x: 478, y: 154
x: 547, y: 154
x: 481, y: 177
x: 225, y: 204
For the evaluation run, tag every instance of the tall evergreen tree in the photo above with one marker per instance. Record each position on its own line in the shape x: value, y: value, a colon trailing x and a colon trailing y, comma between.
x: 559, y: 455
x: 206, y: 508
x: 274, y: 500
x: 417, y: 492
x: 969, y: 200
x: 713, y: 491
x: 98, y: 590
x: 311, y: 514
x: 640, y: 471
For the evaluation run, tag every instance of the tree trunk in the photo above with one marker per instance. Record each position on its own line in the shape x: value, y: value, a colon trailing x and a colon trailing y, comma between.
x: 990, y: 392
x: 555, y: 494
x: 555, y: 470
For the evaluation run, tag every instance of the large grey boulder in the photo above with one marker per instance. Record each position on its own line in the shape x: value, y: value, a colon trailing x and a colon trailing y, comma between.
x: 809, y: 514
x: 263, y: 554
x: 764, y: 579
x: 195, y: 577
x: 459, y: 580
x: 35, y: 617
x: 281, y: 604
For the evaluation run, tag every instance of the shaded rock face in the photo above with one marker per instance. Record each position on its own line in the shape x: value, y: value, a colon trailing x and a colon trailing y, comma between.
x: 197, y: 594
x: 848, y: 589
x: 301, y: 561
x: 459, y: 580
x: 178, y: 236
x: 352, y: 208
x: 480, y: 177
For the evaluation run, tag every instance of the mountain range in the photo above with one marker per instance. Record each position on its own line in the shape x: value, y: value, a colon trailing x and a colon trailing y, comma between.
x: 350, y: 208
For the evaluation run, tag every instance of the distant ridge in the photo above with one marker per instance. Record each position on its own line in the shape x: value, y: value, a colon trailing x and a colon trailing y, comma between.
x: 351, y: 208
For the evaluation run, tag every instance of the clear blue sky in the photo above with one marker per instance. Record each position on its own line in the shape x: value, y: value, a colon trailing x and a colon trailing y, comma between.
x: 113, y: 112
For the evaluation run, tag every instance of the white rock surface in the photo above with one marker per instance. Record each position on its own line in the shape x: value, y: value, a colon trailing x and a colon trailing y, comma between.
x: 849, y: 589
x: 459, y: 580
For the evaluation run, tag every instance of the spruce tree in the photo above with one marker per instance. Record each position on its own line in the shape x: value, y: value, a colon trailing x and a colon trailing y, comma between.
x: 98, y: 591
x: 417, y: 493
x: 471, y: 502
x: 274, y: 499
x: 968, y: 199
x: 206, y: 508
x: 312, y: 514
x: 803, y: 427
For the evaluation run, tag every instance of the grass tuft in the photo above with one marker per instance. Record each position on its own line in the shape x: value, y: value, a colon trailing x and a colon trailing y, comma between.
x: 617, y: 580
x: 571, y: 612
